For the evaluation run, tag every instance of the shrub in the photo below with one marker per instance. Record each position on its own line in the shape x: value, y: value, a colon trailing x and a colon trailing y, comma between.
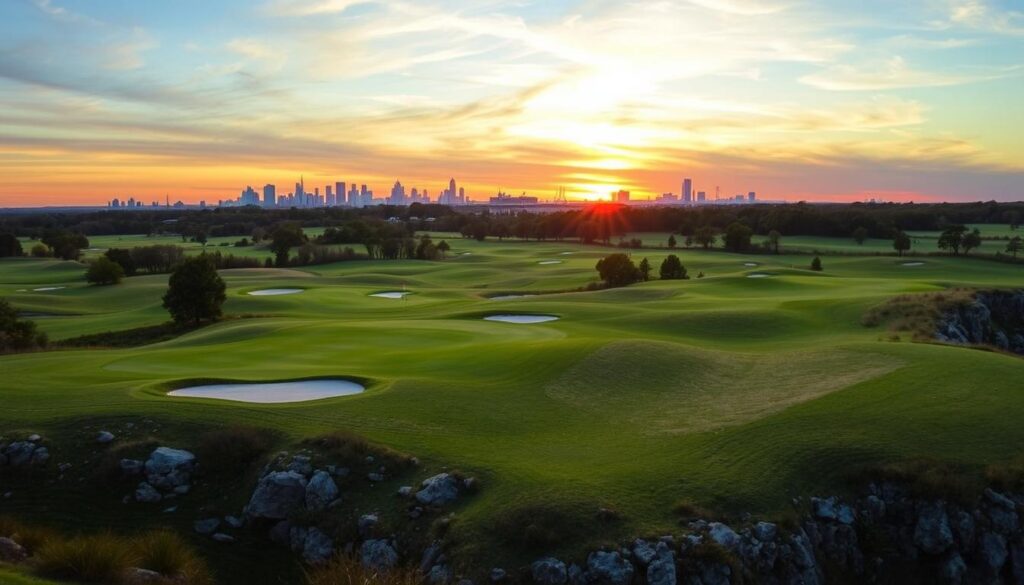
x: 347, y: 570
x: 672, y: 268
x: 816, y: 264
x: 104, y: 271
x: 167, y: 554
x: 29, y: 536
x: 40, y: 251
x: 101, y: 558
x: 233, y: 449
x: 18, y: 334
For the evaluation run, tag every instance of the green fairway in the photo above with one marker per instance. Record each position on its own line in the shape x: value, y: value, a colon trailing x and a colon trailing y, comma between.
x: 734, y: 392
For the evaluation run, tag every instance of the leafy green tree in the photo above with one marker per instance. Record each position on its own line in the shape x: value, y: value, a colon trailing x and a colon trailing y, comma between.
x: 705, y: 237
x: 285, y: 237
x: 901, y: 242
x: 672, y: 241
x: 774, y: 237
x: 816, y: 264
x: 860, y: 235
x: 10, y: 246
x: 737, y: 237
x: 123, y: 258
x: 17, y: 334
x: 425, y: 249
x: 104, y: 271
x: 1014, y: 246
x: 40, y: 251
x: 65, y: 245
x: 971, y: 241
x: 201, y: 237
x: 672, y: 268
x: 195, y: 292
x: 443, y: 248
x: 617, y: 270
x: 645, y: 270
x: 952, y: 238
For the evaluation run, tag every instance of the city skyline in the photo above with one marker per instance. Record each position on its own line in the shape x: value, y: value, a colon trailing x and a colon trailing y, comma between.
x: 795, y: 100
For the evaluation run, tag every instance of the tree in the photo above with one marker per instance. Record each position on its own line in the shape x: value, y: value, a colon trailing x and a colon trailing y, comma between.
x: 816, y: 264
x: 971, y: 241
x: 737, y: 237
x: 65, y: 245
x: 426, y: 250
x: 195, y: 292
x: 672, y: 268
x: 672, y: 241
x: 705, y: 236
x: 645, y: 270
x: 1014, y: 246
x: 1013, y: 218
x: 285, y: 237
x: 10, y: 246
x: 901, y: 242
x: 952, y: 238
x: 201, y: 237
x: 40, y: 251
x: 17, y: 334
x: 860, y: 235
x: 617, y: 270
x: 124, y: 258
x: 443, y: 248
x: 774, y: 237
x: 104, y: 271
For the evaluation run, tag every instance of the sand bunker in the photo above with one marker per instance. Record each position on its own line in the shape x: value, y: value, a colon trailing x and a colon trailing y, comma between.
x: 273, y: 292
x: 273, y: 392
x: 543, y: 262
x: 389, y: 295
x: 48, y: 288
x: 509, y: 297
x: 521, y: 318
x: 913, y: 264
x: 751, y: 264
x: 760, y: 275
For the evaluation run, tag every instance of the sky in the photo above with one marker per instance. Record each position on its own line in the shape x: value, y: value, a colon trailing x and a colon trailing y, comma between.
x: 918, y: 100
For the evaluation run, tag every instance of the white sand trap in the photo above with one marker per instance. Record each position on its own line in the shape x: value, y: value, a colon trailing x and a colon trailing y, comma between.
x: 48, y: 288
x: 389, y: 295
x: 521, y: 318
x: 751, y: 264
x: 760, y: 275
x: 22, y: 290
x: 913, y: 264
x: 545, y: 262
x: 273, y: 292
x: 273, y: 393
x: 564, y: 253
x: 509, y: 297
x: 466, y: 254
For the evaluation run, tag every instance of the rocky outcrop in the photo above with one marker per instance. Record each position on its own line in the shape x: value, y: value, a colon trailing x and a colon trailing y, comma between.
x: 278, y: 494
x: 168, y: 473
x: 994, y: 318
x: 24, y: 453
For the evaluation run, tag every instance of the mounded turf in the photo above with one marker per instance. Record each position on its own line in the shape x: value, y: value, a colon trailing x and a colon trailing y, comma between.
x: 732, y: 392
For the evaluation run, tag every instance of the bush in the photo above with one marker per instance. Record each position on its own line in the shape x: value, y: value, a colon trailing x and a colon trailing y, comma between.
x: 29, y: 536
x: 232, y: 450
x: 101, y: 558
x: 104, y: 271
x: 40, y: 251
x: 18, y: 334
x: 348, y: 570
x: 167, y: 554
x: 816, y: 264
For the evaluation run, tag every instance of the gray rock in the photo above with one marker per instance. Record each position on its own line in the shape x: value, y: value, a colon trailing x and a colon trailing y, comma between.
x: 147, y: 494
x: 723, y: 535
x: 430, y: 556
x: 832, y: 509
x: 405, y: 491
x: 318, y: 547
x: 992, y: 551
x: 438, y: 490
x: 609, y: 568
x: 234, y: 521
x: 131, y: 467
x: 320, y: 491
x: 378, y: 554
x: 139, y: 576
x: 297, y: 538
x: 1002, y: 511
x: 932, y: 533
x: 277, y: 495
x: 549, y: 571
x: 34, y: 438
x: 662, y: 569
x: 953, y: 570
x: 169, y: 468
x: 498, y: 575
x: 765, y: 531
x: 206, y: 525
x: 11, y: 552
x: 104, y: 437
x: 301, y: 464
x: 40, y: 456
x: 223, y: 538
x: 439, y: 575
x: 375, y: 477
x: 19, y: 453
x: 643, y: 552
x: 367, y: 523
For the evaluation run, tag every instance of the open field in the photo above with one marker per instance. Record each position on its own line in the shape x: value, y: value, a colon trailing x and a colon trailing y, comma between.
x: 736, y: 393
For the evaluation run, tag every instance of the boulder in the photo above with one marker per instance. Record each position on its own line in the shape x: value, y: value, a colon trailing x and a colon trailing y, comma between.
x: 609, y: 568
x: 932, y: 534
x: 375, y: 477
x: 366, y: 524
x: 278, y: 494
x: 301, y: 464
x: 11, y: 552
x: 146, y: 493
x: 661, y: 570
x: 234, y: 521
x: 438, y: 490
x: 953, y: 570
x: 723, y: 535
x: 549, y: 571
x: 19, y: 453
x: 169, y: 468
x: 992, y: 551
x: 222, y: 538
x: 439, y: 575
x: 643, y: 552
x: 40, y: 456
x: 318, y: 548
x: 498, y: 575
x: 378, y: 554
x: 139, y: 576
x: 832, y: 509
x: 104, y: 437
x: 206, y: 525
x: 131, y: 467
x: 320, y: 491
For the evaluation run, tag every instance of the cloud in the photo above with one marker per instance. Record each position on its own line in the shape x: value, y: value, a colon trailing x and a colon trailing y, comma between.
x: 128, y: 53
x: 895, y: 73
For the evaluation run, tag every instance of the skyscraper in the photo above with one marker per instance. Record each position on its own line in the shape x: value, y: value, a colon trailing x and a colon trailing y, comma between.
x: 397, y: 194
x: 622, y: 197
x: 353, y: 196
x: 269, y: 195
x: 687, y: 190
x: 339, y: 190
x: 751, y: 197
x: 701, y: 196
x: 329, y: 194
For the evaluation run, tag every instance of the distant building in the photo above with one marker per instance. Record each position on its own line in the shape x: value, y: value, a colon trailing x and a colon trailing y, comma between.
x: 701, y: 196
x: 397, y: 194
x: 751, y: 197
x: 621, y: 197
x: 506, y: 199
x: 329, y: 196
x: 249, y: 197
x: 339, y: 190
x: 687, y: 191
x: 269, y: 195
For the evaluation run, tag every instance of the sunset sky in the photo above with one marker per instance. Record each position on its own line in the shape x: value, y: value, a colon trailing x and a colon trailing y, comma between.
x: 794, y: 99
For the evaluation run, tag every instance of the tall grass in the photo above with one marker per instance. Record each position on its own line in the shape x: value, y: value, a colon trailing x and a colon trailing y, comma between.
x: 167, y: 554
x: 30, y: 537
x: 347, y: 570
x: 100, y: 558
x: 233, y: 449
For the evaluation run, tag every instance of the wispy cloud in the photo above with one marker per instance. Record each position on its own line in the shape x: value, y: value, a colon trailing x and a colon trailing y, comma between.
x: 895, y: 73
